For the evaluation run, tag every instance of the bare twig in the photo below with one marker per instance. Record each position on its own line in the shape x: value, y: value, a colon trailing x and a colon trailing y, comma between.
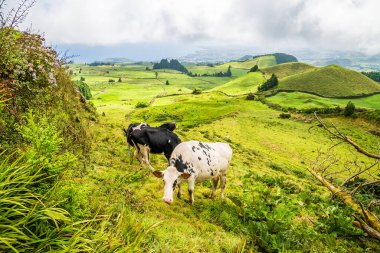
x: 337, y: 134
x: 362, y: 185
x: 21, y: 12
x: 358, y: 173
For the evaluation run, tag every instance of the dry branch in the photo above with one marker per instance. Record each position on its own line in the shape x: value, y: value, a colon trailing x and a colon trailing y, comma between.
x: 337, y: 134
x: 347, y: 199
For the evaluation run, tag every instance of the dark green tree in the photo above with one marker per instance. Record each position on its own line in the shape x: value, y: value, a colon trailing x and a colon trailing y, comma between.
x: 167, y: 82
x: 269, y: 84
x: 228, y: 73
x: 254, y: 68
x: 349, y: 109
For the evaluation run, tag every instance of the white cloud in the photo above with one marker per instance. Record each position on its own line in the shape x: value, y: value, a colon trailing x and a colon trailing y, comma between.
x: 278, y: 24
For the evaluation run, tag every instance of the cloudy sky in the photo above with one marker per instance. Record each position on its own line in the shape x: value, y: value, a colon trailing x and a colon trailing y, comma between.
x: 145, y: 29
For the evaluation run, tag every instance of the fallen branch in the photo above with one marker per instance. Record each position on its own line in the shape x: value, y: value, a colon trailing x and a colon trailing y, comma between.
x: 373, y: 222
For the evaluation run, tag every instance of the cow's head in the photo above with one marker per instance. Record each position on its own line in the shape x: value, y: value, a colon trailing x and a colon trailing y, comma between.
x: 171, y: 177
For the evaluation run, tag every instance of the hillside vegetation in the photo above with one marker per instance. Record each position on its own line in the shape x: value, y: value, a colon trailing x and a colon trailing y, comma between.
x: 288, y: 69
x: 243, y: 84
x: 330, y: 81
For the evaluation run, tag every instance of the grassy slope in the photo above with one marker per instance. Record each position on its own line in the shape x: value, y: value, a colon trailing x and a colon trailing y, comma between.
x: 301, y: 100
x: 243, y: 84
x: 288, y: 69
x: 262, y: 62
x: 330, y: 81
x: 262, y: 148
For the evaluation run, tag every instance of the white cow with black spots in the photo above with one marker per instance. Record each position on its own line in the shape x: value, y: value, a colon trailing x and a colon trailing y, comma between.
x: 195, y: 162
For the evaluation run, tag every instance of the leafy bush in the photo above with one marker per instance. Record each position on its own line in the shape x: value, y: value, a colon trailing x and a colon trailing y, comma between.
x: 141, y: 105
x: 269, y: 84
x: 349, y: 109
x: 284, y: 115
x: 197, y: 91
x: 25, y: 60
x: 84, y: 89
x: 250, y: 96
x: 254, y: 68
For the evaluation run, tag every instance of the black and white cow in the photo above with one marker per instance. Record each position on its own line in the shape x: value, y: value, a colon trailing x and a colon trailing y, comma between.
x: 155, y: 140
x: 195, y: 161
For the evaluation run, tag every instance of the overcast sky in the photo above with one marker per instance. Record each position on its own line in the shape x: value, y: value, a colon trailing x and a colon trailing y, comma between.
x: 184, y: 26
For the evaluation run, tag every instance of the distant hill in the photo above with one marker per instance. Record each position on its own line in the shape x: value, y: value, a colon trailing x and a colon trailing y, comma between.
x: 245, y: 58
x: 117, y: 60
x: 261, y: 61
x: 243, y: 84
x: 283, y: 58
x: 330, y: 81
x: 288, y: 69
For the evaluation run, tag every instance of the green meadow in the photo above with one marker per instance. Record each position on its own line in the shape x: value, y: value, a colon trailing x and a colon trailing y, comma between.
x: 272, y: 203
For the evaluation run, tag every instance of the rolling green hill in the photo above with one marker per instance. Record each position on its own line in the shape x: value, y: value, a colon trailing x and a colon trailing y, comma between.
x: 243, y: 84
x: 288, y: 69
x: 261, y: 61
x: 330, y: 81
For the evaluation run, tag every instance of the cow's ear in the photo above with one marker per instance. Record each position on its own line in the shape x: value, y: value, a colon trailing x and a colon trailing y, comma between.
x: 185, y: 175
x: 158, y: 173
x: 125, y: 130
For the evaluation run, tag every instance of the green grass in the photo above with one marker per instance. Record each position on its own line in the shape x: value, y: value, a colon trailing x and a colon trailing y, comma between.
x: 288, y: 69
x: 330, y: 81
x: 301, y: 100
x: 242, y: 85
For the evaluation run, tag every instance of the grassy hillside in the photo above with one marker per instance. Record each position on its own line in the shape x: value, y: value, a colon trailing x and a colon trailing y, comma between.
x: 288, y: 69
x: 261, y: 61
x: 301, y: 100
x: 271, y: 204
x: 243, y: 84
x: 330, y: 81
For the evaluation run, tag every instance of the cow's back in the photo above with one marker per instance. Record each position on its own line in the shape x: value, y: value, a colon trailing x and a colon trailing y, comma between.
x: 201, y: 158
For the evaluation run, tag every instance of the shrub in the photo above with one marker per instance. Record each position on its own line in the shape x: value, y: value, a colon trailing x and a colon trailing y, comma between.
x: 254, y: 68
x: 84, y: 89
x: 197, y: 91
x: 111, y: 81
x: 250, y: 96
x: 141, y: 105
x: 269, y: 84
x: 285, y: 115
x: 167, y: 82
x: 349, y: 109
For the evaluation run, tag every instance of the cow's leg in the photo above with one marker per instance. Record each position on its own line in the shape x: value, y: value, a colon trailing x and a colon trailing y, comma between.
x: 179, y: 194
x: 223, y: 180
x: 215, y: 181
x: 138, y: 156
x: 145, y: 154
x: 191, y: 190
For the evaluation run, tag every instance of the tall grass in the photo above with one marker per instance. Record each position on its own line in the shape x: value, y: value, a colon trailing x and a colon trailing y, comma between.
x: 29, y: 222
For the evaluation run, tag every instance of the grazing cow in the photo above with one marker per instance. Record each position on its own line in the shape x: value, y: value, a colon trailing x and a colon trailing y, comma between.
x: 196, y: 161
x: 155, y: 140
